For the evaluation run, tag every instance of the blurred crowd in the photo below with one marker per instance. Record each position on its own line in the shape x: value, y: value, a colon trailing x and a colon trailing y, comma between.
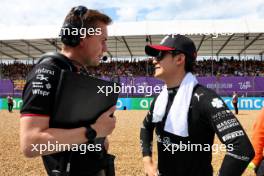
x: 15, y: 70
x: 222, y: 67
x: 226, y: 67
x: 123, y: 68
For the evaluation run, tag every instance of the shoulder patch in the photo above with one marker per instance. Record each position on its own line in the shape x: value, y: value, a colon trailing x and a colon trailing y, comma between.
x: 217, y: 103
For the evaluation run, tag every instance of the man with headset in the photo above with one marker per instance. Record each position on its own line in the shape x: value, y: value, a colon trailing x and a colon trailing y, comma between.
x: 79, y: 50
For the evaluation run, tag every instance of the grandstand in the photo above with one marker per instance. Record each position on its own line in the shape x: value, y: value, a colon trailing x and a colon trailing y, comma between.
x: 233, y: 60
x: 230, y: 54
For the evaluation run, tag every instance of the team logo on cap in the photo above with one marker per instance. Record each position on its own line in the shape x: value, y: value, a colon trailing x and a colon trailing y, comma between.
x: 164, y: 39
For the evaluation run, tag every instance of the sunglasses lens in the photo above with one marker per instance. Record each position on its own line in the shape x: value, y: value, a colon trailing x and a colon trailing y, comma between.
x: 160, y: 56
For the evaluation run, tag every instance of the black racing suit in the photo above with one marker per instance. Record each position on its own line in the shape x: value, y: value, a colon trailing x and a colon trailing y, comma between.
x: 38, y: 100
x: 208, y: 115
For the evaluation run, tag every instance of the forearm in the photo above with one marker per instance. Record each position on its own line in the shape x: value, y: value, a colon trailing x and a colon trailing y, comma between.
x: 232, y: 166
x: 237, y: 159
x: 63, y: 136
x: 35, y: 131
x: 146, y: 138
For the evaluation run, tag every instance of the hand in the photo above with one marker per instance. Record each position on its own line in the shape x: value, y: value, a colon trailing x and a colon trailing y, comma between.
x: 149, y: 166
x: 105, y: 124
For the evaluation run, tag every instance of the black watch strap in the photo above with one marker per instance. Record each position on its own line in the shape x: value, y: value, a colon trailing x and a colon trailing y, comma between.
x: 90, y: 134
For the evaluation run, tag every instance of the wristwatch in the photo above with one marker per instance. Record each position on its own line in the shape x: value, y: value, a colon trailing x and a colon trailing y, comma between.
x: 90, y: 134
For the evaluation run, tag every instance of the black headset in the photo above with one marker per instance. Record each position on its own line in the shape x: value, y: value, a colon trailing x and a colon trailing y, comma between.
x: 66, y: 32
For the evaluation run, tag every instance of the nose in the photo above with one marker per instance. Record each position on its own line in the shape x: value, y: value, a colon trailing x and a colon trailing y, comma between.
x: 154, y: 61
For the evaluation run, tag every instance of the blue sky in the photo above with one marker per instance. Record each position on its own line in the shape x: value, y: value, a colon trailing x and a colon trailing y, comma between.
x: 52, y: 12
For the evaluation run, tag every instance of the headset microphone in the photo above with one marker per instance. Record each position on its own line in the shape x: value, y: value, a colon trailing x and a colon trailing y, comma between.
x: 104, y: 58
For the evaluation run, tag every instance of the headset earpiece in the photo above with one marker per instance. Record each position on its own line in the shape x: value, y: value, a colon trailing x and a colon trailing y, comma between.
x: 80, y: 11
x: 67, y: 36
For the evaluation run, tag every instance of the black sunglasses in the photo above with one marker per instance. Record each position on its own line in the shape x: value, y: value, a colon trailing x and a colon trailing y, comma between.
x: 162, y: 54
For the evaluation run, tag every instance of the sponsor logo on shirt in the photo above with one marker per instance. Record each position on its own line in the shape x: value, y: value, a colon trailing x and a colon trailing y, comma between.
x: 40, y: 92
x: 48, y: 86
x: 44, y: 70
x: 37, y: 85
x: 232, y: 135
x: 198, y: 96
x: 243, y: 158
x: 41, y: 77
x: 217, y: 103
x: 166, y: 140
x: 221, y: 115
x: 227, y: 124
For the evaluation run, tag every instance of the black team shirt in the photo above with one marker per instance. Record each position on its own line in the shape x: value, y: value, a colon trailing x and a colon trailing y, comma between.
x: 208, y: 115
x: 38, y: 100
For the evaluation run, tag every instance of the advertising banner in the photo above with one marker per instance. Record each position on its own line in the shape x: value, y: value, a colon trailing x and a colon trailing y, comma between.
x: 246, y: 103
x: 149, y: 86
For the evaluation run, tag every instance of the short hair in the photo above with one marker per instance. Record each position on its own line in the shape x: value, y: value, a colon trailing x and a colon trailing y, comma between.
x: 189, y: 63
x: 90, y: 19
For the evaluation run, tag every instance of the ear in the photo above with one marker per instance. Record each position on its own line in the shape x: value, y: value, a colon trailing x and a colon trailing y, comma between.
x: 180, y: 59
x: 82, y: 42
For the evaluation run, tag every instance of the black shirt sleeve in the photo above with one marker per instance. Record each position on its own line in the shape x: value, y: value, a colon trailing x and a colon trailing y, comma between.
x: 230, y: 132
x: 146, y: 132
x: 39, y: 91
